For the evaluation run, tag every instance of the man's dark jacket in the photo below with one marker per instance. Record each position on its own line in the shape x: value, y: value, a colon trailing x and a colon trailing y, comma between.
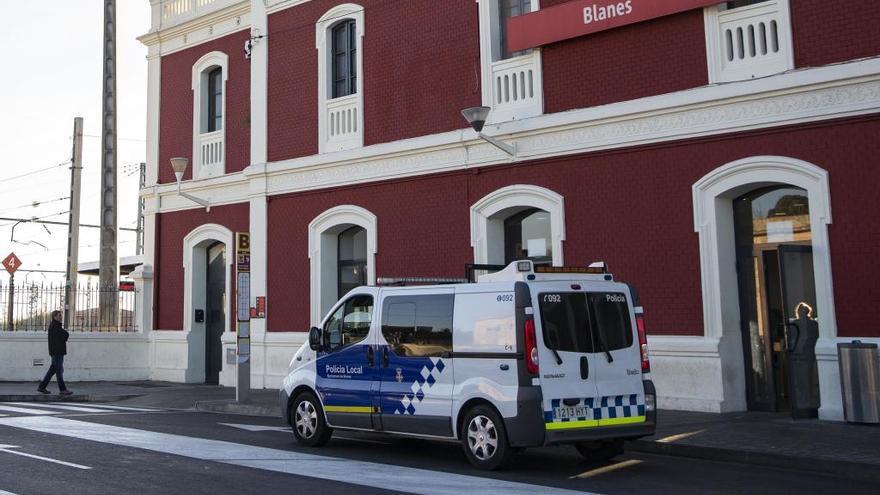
x: 57, y: 339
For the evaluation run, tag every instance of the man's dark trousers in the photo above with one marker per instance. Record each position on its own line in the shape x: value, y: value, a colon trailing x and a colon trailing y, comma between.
x: 57, y: 369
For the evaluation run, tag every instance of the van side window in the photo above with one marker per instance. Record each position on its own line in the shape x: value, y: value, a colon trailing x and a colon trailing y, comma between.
x: 418, y: 326
x: 350, y: 323
x: 609, y: 317
x: 565, y: 321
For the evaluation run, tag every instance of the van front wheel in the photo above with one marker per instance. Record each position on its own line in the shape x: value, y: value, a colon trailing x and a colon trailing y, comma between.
x: 600, y: 451
x: 484, y: 439
x: 307, y: 419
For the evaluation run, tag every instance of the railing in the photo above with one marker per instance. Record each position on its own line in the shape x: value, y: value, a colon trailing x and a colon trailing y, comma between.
x: 517, y: 88
x: 32, y: 306
x: 211, y: 154
x: 342, y: 123
x: 172, y: 12
x: 753, y: 41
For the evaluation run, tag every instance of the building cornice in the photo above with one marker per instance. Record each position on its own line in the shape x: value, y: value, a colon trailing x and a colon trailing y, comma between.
x: 217, y: 24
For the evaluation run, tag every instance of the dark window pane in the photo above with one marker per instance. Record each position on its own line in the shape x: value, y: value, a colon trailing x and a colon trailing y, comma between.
x: 564, y: 320
x: 351, y: 259
x: 609, y: 316
x: 507, y: 9
x: 418, y: 325
x: 527, y: 236
x: 215, y: 100
x: 344, y: 58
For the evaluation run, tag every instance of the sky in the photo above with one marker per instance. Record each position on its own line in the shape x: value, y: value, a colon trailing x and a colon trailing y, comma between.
x: 52, y: 72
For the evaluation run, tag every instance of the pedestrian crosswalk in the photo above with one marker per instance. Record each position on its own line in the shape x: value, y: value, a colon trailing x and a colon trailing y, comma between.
x: 58, y: 408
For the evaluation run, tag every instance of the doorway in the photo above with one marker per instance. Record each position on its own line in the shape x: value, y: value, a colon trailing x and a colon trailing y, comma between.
x: 777, y: 294
x: 215, y: 311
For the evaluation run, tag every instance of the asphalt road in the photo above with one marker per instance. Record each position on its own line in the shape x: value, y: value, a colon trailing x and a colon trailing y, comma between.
x: 117, y: 451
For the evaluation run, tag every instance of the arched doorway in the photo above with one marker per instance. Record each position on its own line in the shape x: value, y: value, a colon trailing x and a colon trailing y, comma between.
x: 726, y: 253
x: 777, y: 299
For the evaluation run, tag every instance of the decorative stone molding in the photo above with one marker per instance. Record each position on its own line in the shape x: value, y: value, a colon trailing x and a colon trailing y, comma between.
x: 488, y: 215
x: 323, y: 232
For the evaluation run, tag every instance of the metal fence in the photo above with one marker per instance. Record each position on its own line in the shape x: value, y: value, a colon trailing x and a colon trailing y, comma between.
x: 32, y: 305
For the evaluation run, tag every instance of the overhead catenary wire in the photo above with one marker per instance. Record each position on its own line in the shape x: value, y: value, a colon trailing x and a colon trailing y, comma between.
x: 34, y: 204
x: 27, y: 174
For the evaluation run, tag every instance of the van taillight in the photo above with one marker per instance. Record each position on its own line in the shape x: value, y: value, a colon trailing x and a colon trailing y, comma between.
x: 643, y: 342
x: 531, y: 347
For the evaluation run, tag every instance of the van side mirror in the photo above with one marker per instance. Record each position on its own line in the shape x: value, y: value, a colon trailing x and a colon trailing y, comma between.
x: 315, y: 338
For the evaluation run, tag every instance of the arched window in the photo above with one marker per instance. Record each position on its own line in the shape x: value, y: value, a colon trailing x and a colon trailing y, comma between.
x: 351, y: 260
x: 517, y: 222
x: 339, y: 39
x: 345, y: 67
x: 527, y: 236
x: 209, y: 76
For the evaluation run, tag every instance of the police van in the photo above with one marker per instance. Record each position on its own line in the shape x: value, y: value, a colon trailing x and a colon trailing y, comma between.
x: 527, y: 356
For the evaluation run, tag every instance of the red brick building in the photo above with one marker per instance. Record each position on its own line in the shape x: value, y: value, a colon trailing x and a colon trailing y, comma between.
x: 699, y: 152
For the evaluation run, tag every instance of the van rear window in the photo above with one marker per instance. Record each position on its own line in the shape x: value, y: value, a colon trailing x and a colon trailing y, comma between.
x: 586, y: 323
x: 565, y: 321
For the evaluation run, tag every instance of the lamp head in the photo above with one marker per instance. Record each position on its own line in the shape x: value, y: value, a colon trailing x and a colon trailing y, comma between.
x: 179, y: 166
x: 476, y: 116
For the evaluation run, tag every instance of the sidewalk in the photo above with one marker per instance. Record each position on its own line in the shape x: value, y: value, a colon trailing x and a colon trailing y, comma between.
x: 764, y: 439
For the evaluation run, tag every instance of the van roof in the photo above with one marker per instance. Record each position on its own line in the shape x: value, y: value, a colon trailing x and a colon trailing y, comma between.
x: 518, y: 271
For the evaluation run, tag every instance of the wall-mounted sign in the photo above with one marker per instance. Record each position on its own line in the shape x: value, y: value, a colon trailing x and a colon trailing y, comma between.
x: 259, y: 311
x: 581, y: 17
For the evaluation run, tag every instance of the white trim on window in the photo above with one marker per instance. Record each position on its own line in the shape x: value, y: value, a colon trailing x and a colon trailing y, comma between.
x: 512, y: 87
x: 195, y: 248
x: 340, y: 120
x: 323, y: 236
x: 209, y: 148
x: 489, y: 213
x: 740, y: 43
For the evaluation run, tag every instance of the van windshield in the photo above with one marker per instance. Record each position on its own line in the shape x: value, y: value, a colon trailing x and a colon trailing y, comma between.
x: 585, y: 322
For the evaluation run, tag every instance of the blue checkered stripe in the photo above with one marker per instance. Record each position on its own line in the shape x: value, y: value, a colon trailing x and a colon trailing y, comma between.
x: 610, y: 407
x: 424, y: 381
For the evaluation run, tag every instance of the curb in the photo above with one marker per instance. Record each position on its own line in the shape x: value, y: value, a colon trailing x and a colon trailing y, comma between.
x: 853, y: 470
x: 66, y: 398
x: 233, y: 407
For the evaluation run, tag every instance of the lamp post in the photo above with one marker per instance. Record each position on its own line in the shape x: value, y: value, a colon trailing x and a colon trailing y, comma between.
x: 179, y: 165
x: 476, y: 117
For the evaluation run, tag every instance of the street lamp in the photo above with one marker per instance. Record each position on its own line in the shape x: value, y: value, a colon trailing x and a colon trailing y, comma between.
x: 476, y: 117
x: 179, y: 166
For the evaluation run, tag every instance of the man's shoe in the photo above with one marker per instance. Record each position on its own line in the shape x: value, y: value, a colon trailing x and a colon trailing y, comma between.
x: 65, y: 392
x: 43, y: 391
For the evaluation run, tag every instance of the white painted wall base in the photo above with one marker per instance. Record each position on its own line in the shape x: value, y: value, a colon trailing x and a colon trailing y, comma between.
x: 270, y: 355
x: 91, y: 356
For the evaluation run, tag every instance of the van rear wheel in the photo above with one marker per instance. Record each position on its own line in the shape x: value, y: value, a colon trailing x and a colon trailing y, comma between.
x: 600, y: 451
x: 484, y: 439
x: 307, y: 420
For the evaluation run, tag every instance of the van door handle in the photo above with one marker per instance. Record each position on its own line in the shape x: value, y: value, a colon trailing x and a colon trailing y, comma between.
x: 370, y: 355
x: 385, y: 357
x: 585, y: 367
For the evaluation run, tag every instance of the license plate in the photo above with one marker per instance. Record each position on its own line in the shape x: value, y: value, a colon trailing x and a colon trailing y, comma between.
x: 570, y: 412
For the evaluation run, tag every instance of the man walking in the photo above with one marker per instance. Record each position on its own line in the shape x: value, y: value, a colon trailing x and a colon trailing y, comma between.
x: 57, y: 349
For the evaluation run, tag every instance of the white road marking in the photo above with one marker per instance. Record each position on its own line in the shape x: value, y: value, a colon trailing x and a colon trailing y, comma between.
x: 255, y: 427
x: 121, y: 408
x: 64, y: 407
x: 6, y: 449
x: 680, y: 436
x: 371, y: 474
x: 607, y: 469
x: 3, y: 492
x: 24, y: 410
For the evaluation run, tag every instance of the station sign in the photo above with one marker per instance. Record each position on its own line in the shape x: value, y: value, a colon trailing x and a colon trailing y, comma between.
x: 582, y: 17
x: 11, y: 263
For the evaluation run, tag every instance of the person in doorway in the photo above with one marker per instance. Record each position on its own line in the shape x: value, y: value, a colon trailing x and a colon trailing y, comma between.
x: 57, y: 350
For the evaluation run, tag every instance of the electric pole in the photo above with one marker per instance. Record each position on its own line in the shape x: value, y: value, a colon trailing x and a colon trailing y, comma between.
x: 108, y: 261
x: 73, y: 224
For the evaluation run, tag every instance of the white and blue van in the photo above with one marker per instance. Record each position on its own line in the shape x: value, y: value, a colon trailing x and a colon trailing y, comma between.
x: 527, y: 356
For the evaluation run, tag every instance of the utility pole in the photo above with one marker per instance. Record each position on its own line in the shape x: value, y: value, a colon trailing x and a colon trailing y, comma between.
x: 73, y: 224
x: 108, y: 271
